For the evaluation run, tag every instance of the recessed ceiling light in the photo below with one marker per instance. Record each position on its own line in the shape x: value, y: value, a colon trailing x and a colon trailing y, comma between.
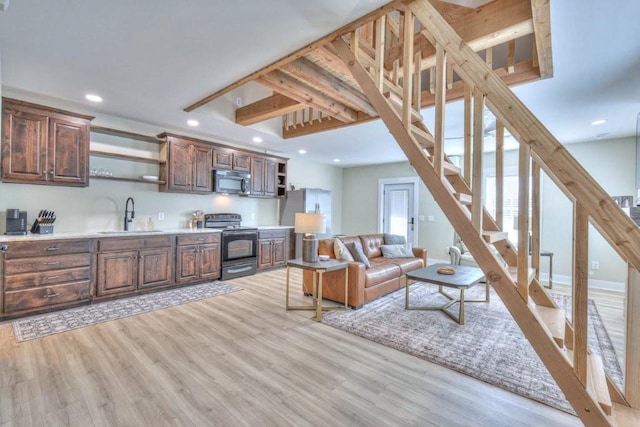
x: 257, y: 139
x: 192, y: 122
x: 302, y: 151
x: 336, y: 160
x: 598, y: 122
x: 93, y: 98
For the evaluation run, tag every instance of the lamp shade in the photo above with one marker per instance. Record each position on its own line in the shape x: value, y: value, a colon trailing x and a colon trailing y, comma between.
x: 310, y: 223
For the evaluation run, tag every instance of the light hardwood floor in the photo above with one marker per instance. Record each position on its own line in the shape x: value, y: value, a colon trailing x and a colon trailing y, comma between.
x: 240, y: 359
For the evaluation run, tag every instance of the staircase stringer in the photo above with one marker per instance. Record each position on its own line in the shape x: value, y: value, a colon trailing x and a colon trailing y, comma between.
x: 533, y: 328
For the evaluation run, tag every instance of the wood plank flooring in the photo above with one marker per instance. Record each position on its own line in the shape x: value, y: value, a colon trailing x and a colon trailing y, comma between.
x: 240, y: 359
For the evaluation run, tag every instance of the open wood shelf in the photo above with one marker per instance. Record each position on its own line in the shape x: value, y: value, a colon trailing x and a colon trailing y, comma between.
x: 115, y: 178
x: 124, y: 157
x: 124, y: 134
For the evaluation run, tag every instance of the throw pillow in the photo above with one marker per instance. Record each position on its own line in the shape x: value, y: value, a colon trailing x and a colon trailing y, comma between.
x: 358, y: 254
x: 340, y: 250
x: 396, y: 251
x: 394, y: 239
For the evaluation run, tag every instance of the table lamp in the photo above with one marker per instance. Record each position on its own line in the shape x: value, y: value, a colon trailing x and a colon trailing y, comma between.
x: 310, y: 224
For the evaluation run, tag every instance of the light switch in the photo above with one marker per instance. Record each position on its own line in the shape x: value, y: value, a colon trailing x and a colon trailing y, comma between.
x: 431, y: 218
x: 421, y: 217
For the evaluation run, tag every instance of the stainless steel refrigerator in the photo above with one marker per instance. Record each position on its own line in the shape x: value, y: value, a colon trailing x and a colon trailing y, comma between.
x: 306, y: 200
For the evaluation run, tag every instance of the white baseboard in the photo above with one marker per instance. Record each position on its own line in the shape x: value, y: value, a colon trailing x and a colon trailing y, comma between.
x: 593, y: 283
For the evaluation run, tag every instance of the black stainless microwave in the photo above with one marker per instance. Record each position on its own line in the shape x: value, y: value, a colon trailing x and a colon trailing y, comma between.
x: 231, y: 182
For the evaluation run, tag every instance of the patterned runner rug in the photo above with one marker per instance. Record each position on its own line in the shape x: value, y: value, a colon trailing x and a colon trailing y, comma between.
x: 65, y: 320
x: 489, y: 347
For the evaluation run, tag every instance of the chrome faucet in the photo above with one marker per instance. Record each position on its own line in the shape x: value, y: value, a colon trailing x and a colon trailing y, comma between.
x: 127, y: 218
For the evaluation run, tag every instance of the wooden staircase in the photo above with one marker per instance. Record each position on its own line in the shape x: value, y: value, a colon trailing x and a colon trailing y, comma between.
x: 560, y: 343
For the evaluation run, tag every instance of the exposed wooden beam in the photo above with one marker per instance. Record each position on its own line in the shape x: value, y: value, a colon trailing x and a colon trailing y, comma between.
x: 542, y: 26
x: 319, y: 78
x: 295, y: 89
x: 299, y: 53
x: 267, y: 108
x: 329, y: 60
x: 489, y: 25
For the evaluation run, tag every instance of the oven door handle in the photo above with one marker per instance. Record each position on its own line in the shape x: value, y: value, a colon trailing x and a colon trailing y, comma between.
x: 239, y: 270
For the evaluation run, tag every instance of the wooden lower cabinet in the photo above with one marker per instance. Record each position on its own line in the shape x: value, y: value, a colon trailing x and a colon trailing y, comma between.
x: 197, y: 261
x: 272, y: 248
x: 44, y: 275
x: 128, y: 265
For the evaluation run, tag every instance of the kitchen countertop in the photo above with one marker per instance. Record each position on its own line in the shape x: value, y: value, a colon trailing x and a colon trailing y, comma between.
x: 105, y: 234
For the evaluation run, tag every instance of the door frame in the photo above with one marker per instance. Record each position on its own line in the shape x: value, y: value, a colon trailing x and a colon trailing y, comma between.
x: 403, y: 180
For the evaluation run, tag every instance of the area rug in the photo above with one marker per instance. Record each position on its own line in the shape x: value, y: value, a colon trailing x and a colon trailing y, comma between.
x: 489, y: 346
x: 61, y: 321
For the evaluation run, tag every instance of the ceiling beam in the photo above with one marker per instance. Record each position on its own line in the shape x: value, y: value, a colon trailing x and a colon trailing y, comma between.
x: 542, y: 26
x: 321, y: 79
x: 293, y: 88
x: 275, y: 105
x: 480, y: 25
x: 330, y: 60
x: 299, y: 53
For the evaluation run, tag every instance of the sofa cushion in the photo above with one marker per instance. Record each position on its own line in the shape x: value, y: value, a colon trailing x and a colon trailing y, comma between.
x: 381, y: 271
x: 396, y: 251
x: 407, y: 264
x: 357, y: 253
x: 341, y: 250
x: 394, y: 239
x: 371, y: 244
x: 325, y: 247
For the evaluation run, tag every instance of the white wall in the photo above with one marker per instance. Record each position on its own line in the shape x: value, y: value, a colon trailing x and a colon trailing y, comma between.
x: 101, y: 205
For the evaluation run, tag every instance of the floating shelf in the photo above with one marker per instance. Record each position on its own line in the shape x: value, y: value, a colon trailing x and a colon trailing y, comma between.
x: 124, y: 157
x: 115, y: 178
x: 124, y: 134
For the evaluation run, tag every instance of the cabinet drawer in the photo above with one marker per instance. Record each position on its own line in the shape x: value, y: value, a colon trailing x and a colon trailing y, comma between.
x: 50, y: 247
x: 117, y: 244
x: 46, y: 263
x: 196, y: 239
x: 46, y: 296
x: 269, y: 234
x: 32, y: 280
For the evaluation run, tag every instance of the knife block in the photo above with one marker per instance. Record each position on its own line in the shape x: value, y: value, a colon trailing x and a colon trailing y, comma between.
x: 38, y: 228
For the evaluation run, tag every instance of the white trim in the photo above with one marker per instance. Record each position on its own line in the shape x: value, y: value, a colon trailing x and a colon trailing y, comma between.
x: 606, y: 285
x: 416, y: 188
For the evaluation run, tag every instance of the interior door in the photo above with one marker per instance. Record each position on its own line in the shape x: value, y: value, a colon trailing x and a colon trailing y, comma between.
x: 399, y: 210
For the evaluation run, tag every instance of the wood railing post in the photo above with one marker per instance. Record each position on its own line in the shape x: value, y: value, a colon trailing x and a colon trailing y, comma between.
x: 407, y: 69
x: 524, y: 157
x: 535, y: 218
x: 580, y: 290
x: 632, y: 337
x: 438, y: 149
x: 499, y: 173
x: 478, y: 149
x: 468, y: 104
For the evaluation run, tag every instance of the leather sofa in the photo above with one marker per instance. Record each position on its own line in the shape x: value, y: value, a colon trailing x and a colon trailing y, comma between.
x: 365, y: 284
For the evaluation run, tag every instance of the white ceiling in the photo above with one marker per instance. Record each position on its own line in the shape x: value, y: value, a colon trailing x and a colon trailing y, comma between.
x: 149, y: 59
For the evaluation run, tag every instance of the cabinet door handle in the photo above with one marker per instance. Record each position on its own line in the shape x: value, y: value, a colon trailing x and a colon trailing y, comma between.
x: 51, y: 277
x: 50, y: 295
x: 52, y: 263
x: 52, y: 248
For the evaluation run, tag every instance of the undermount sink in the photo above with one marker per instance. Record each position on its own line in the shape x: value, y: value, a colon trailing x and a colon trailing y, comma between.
x: 129, y: 232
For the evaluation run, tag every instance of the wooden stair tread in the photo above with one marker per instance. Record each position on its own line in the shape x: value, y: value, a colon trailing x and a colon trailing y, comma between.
x: 531, y: 274
x: 463, y: 198
x: 596, y: 381
x: 425, y: 139
x: 397, y: 102
x: 623, y: 416
x: 555, y: 319
x: 494, y: 236
x: 450, y: 169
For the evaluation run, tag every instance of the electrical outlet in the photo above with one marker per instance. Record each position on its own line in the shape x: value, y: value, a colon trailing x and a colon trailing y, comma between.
x: 238, y: 101
x: 431, y: 218
x: 595, y: 265
x: 160, y: 216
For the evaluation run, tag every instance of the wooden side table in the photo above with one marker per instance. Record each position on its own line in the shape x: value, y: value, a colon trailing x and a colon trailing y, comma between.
x: 318, y: 268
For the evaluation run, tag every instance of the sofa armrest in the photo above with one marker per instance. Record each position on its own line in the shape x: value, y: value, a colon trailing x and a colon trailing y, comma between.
x: 420, y: 253
x: 454, y: 255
